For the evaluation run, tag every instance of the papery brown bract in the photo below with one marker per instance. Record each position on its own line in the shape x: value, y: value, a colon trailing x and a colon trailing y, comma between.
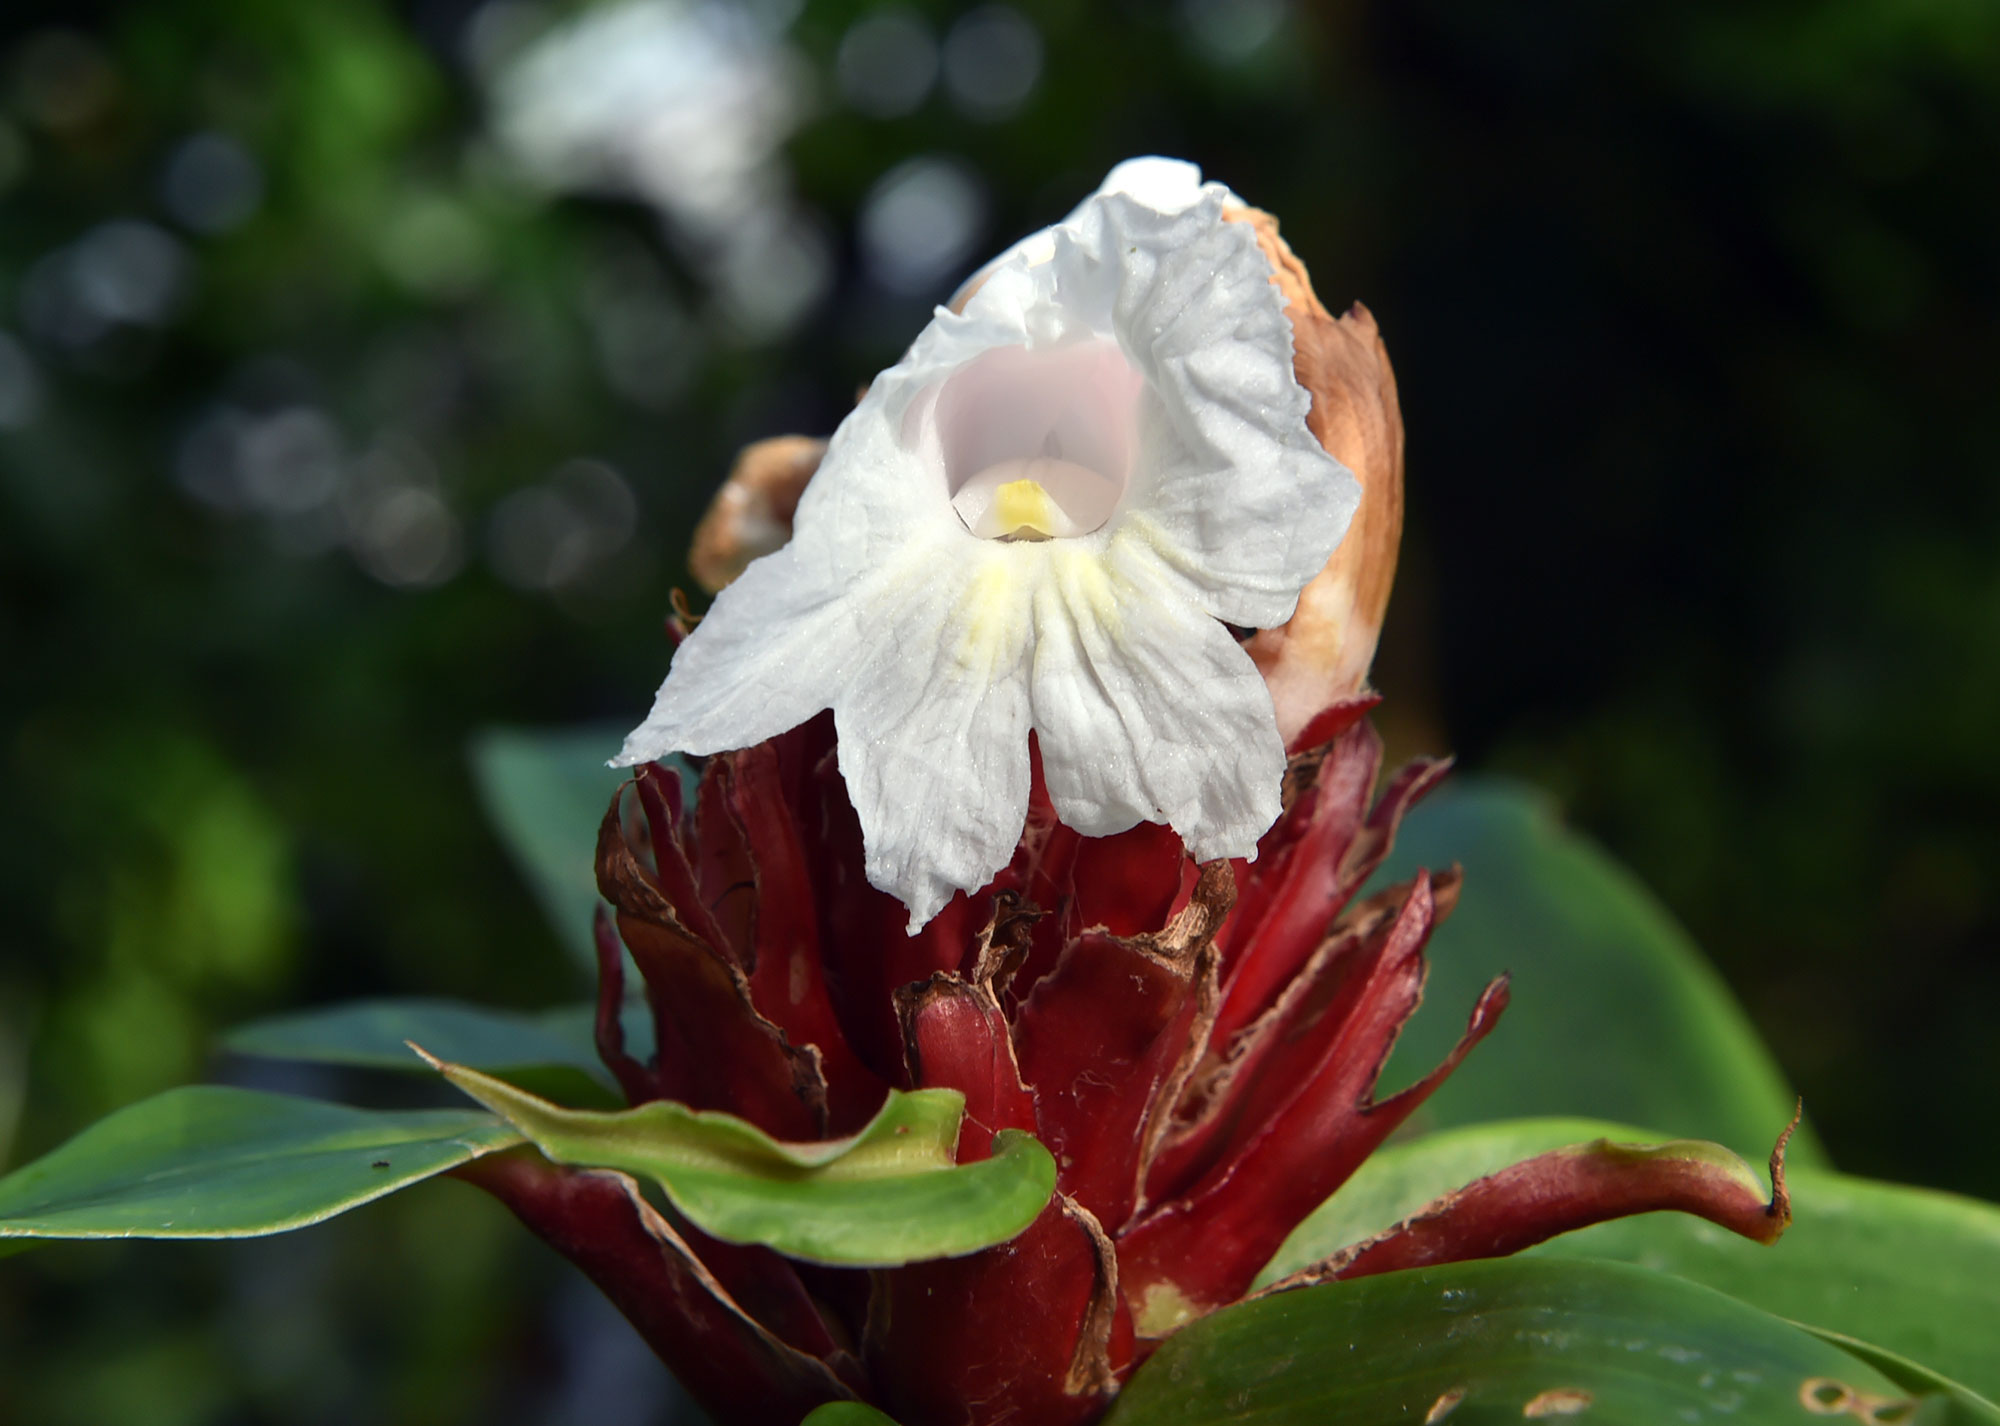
x: 1197, y: 1046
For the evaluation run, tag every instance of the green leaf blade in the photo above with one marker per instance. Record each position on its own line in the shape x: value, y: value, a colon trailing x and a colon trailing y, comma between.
x: 208, y: 1161
x: 1494, y: 1341
x: 1615, y: 1015
x: 889, y: 1195
x: 857, y: 1221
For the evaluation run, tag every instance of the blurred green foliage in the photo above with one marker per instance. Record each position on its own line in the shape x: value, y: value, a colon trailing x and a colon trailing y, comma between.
x: 308, y: 399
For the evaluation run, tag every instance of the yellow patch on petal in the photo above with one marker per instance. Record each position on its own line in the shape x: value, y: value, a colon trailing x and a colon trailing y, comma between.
x: 993, y: 616
x: 1086, y: 580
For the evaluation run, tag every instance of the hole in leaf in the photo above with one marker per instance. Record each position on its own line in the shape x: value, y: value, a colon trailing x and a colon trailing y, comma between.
x: 1823, y: 1396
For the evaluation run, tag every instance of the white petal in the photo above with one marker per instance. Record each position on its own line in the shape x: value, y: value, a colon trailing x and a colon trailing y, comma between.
x: 1231, y: 486
x: 784, y: 639
x: 779, y: 644
x: 1166, y: 185
x: 1148, y: 710
x: 933, y: 732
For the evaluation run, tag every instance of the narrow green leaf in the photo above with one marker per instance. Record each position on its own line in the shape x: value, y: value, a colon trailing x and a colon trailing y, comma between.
x: 1506, y: 1340
x: 551, y: 1052
x: 847, y: 1413
x: 1615, y: 1015
x: 206, y: 1161
x: 546, y: 792
x: 890, y: 1194
x: 1914, y: 1270
x: 1973, y: 1409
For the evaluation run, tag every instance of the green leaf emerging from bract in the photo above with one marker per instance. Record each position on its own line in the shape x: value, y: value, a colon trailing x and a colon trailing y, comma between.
x: 891, y: 1194
x: 1507, y: 1339
x: 1911, y: 1269
x: 206, y: 1161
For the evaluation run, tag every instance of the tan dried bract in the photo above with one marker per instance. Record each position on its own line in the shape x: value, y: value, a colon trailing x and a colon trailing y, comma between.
x: 1322, y: 656
x: 752, y: 514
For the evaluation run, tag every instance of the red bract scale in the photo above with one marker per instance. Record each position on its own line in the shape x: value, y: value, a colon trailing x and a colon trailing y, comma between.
x: 1198, y: 1046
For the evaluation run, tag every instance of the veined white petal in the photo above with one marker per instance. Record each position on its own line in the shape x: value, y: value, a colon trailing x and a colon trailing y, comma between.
x: 1239, y: 495
x: 1147, y: 709
x: 1166, y: 185
x: 933, y: 732
x: 779, y: 645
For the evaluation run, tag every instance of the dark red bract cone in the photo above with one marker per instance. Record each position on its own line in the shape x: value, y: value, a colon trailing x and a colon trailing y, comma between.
x: 1197, y: 1046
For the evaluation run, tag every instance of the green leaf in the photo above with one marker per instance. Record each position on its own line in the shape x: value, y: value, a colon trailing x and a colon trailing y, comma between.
x: 1615, y: 1014
x: 847, y: 1413
x: 551, y: 1052
x: 1916, y: 1271
x: 207, y: 1161
x: 1914, y: 1377
x: 890, y: 1194
x: 1499, y: 1341
x: 545, y: 793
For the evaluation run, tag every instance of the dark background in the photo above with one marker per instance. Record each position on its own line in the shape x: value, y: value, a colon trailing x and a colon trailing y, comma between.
x: 361, y: 375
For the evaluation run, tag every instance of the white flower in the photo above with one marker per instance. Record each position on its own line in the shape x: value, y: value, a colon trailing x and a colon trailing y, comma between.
x: 1043, y: 519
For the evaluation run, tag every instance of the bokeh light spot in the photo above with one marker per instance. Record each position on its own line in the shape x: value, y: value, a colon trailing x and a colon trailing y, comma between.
x: 887, y: 63
x: 211, y: 184
x: 920, y: 223
x: 992, y: 62
x: 1231, y: 31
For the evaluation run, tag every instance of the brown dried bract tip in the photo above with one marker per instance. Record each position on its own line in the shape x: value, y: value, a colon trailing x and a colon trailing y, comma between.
x: 752, y: 514
x: 1322, y: 655
x: 1781, y: 1196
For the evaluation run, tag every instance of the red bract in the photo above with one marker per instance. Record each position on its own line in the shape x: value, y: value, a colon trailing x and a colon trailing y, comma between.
x: 1198, y: 1047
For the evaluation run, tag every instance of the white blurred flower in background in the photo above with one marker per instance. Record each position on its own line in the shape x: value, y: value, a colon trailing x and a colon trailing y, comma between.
x: 684, y: 105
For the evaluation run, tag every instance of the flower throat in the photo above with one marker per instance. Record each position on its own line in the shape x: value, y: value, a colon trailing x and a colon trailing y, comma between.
x: 1038, y: 443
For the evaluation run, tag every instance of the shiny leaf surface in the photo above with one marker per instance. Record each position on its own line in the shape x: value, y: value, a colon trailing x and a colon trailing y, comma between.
x: 207, y: 1161
x: 1502, y: 1341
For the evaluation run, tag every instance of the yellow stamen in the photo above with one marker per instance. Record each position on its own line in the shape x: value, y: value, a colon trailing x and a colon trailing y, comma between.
x: 1023, y: 508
